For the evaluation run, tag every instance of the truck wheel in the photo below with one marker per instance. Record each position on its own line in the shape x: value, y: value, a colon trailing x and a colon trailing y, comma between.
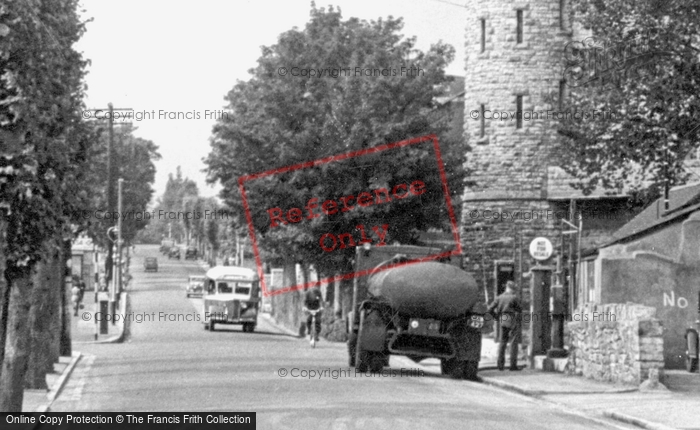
x: 452, y: 367
x: 361, y: 360
x: 691, y: 364
x: 376, y: 361
x: 352, y: 343
x: 361, y: 357
x: 471, y: 368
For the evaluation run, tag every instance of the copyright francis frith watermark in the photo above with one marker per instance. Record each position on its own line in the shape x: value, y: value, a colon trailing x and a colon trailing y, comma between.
x: 339, y: 373
x: 366, y: 202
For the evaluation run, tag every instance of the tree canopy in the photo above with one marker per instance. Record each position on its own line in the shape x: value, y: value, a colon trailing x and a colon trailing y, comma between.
x: 642, y: 66
x: 44, y: 141
x: 135, y: 158
x: 278, y: 120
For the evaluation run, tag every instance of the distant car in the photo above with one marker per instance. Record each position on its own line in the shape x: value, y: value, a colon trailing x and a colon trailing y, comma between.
x: 150, y: 264
x: 191, y: 252
x: 195, y: 285
x: 174, y: 253
x: 165, y: 246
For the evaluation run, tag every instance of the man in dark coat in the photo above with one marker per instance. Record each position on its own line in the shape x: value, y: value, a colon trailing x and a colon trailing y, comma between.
x: 507, y: 309
x: 313, y: 300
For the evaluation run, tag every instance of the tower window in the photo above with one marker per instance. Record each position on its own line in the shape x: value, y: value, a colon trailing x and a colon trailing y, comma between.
x: 562, y: 94
x: 519, y: 112
x: 519, y: 27
x: 482, y: 125
x: 483, y: 35
x: 562, y: 14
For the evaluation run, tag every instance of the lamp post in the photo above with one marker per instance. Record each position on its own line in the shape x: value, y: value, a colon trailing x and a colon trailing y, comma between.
x: 120, y: 204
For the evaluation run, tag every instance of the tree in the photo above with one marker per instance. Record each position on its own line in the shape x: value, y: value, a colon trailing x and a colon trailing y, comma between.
x: 135, y: 158
x: 644, y: 69
x: 212, y: 233
x: 279, y: 121
x: 178, y: 190
x: 44, y: 147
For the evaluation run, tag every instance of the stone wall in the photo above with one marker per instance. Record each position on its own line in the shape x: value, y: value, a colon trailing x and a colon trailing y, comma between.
x: 286, y: 307
x: 616, y: 343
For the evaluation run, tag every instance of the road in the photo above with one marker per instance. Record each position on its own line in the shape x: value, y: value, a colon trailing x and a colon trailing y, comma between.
x: 178, y: 366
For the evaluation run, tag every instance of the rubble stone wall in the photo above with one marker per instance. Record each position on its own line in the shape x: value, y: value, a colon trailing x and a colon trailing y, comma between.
x: 616, y: 342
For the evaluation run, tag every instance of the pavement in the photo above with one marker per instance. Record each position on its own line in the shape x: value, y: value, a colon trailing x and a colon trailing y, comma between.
x: 675, y: 406
x: 83, y: 331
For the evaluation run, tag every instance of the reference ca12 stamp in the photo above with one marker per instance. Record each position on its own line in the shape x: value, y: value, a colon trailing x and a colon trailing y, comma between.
x: 359, y: 203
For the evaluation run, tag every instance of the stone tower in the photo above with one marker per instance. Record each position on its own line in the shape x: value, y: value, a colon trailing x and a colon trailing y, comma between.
x: 515, y: 62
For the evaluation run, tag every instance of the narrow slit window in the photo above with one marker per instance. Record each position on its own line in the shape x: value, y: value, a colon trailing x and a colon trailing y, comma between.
x: 482, y: 125
x: 483, y: 35
x: 519, y: 27
x: 519, y: 112
x: 562, y: 94
x: 561, y: 13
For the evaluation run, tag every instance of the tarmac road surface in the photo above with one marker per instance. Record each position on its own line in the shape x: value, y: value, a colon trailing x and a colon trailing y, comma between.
x: 170, y: 363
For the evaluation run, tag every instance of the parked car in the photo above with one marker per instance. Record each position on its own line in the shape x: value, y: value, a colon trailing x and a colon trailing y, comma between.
x: 174, y: 253
x: 195, y: 285
x: 165, y: 246
x: 150, y: 264
x: 191, y: 252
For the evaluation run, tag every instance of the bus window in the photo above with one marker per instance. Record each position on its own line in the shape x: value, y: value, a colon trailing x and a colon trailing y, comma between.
x: 243, y: 289
x: 224, y: 288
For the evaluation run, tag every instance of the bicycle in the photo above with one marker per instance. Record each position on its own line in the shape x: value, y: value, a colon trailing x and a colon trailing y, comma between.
x: 312, y: 329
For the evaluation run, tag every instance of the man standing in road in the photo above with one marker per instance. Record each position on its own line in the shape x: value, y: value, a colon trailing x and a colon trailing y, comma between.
x: 507, y: 309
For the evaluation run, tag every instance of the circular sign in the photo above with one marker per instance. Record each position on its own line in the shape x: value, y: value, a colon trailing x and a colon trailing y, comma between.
x: 541, y: 248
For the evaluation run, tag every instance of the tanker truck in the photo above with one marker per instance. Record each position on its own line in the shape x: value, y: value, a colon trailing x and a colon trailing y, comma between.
x: 426, y: 309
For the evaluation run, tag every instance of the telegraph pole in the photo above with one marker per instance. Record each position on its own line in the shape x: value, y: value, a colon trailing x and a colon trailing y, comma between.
x: 119, y: 242
x: 111, y: 176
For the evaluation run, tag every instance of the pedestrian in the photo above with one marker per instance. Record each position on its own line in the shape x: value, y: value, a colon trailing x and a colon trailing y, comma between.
x: 75, y: 298
x: 81, y: 286
x: 508, y: 310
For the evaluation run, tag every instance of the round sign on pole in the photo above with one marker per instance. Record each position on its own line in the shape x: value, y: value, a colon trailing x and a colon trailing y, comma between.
x: 541, y: 248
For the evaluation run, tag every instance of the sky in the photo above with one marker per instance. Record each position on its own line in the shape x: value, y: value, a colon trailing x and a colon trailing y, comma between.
x: 177, y: 56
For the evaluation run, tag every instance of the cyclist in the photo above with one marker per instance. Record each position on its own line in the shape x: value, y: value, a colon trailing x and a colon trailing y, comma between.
x: 313, y: 301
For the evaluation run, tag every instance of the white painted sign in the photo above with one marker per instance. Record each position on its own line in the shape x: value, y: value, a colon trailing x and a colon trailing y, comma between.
x: 541, y: 248
x: 671, y: 300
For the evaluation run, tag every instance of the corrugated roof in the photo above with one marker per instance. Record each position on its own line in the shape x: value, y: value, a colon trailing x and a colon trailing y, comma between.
x: 682, y: 200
